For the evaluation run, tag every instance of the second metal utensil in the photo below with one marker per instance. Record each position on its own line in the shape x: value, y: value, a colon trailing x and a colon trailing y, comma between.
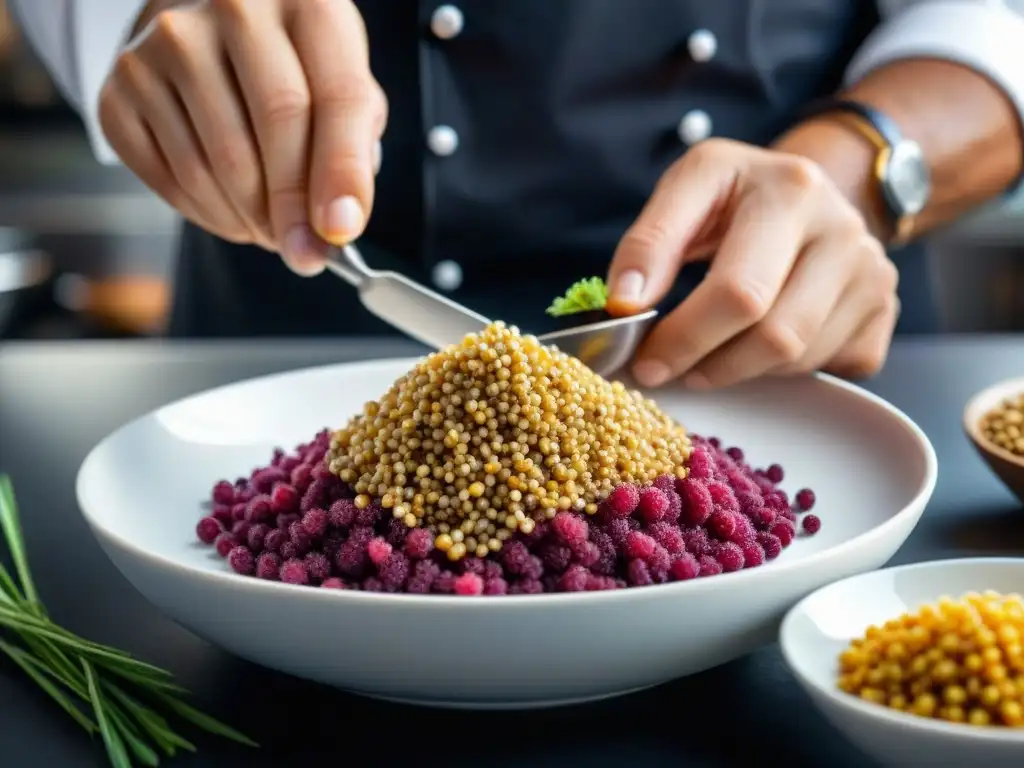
x: 413, y: 309
x: 436, y: 321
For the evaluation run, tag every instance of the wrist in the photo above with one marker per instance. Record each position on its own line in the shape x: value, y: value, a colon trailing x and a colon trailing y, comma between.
x: 848, y: 159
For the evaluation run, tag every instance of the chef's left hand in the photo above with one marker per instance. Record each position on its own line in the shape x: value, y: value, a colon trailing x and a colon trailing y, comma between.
x: 796, y: 281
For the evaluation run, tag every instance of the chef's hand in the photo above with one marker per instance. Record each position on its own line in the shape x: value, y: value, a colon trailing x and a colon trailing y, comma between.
x: 796, y: 281
x: 258, y: 120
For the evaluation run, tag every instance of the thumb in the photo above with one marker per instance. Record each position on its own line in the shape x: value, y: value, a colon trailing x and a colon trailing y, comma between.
x: 683, y: 207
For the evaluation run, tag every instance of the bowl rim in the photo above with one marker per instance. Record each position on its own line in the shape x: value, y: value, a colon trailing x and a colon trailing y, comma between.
x: 913, y: 509
x: 884, y: 714
x: 972, y: 421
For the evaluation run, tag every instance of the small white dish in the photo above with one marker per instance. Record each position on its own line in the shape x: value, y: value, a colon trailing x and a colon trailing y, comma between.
x: 140, y: 489
x: 822, y: 625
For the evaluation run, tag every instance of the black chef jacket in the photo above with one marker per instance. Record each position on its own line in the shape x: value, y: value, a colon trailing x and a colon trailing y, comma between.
x: 524, y: 138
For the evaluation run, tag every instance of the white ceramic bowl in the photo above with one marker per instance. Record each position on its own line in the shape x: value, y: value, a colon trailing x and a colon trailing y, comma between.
x: 140, y: 490
x: 821, y: 625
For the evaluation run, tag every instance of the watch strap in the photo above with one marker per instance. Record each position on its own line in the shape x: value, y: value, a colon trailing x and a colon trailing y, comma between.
x: 883, y: 133
x: 884, y: 126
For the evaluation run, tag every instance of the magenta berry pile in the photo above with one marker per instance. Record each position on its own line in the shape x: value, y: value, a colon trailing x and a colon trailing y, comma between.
x: 295, y: 522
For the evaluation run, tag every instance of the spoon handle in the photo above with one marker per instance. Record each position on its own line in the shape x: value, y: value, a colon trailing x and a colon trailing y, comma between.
x: 347, y: 263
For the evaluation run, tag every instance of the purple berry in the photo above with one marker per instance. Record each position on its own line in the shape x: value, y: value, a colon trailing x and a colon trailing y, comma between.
x: 256, y: 536
x: 495, y: 586
x: 208, y: 529
x: 709, y: 566
x: 342, y: 513
x: 770, y: 544
x: 684, y: 567
x: 652, y: 505
x: 570, y: 528
x: 267, y: 566
x: 805, y: 499
x: 639, y: 545
x: 811, y: 524
x: 730, y: 557
x: 623, y: 500
x: 468, y: 584
x: 722, y: 524
x: 225, y: 543
x: 224, y: 493
x: 241, y: 560
x: 419, y: 543
x: 638, y: 573
x: 274, y: 539
x: 667, y: 535
x: 294, y: 571
x: 378, y: 550
x: 775, y: 473
x: 700, y: 464
x: 697, y: 504
x: 284, y: 498
x: 258, y: 509
x: 784, y: 531
x: 574, y: 579
x: 318, y: 566
x: 314, y: 523
x: 753, y: 554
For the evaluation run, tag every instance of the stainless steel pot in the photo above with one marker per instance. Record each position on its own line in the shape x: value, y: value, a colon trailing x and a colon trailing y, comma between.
x: 23, y: 271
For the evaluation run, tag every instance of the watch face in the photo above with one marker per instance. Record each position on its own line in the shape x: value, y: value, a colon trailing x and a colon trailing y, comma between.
x: 908, y: 180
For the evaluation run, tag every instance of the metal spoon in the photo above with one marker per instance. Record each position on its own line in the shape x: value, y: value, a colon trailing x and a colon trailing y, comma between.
x: 437, y: 321
x: 604, y: 346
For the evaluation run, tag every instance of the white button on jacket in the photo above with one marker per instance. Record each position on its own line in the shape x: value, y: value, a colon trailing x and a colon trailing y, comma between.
x: 703, y: 45
x: 442, y: 140
x: 446, y: 22
x: 447, y: 275
x: 695, y: 126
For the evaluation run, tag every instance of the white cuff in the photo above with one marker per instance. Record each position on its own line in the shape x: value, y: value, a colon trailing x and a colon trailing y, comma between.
x: 101, y: 28
x: 988, y: 37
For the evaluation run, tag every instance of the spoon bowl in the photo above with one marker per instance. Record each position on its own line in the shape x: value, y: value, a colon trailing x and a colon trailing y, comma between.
x: 607, y: 345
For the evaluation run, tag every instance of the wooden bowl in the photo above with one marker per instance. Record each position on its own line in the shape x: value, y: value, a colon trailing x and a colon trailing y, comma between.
x: 1008, y: 467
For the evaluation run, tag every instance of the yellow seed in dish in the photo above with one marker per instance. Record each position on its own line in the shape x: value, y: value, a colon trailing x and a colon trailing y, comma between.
x: 958, y: 661
x: 494, y: 434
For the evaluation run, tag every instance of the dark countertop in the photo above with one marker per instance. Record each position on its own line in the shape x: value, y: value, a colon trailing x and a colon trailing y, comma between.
x: 57, y: 400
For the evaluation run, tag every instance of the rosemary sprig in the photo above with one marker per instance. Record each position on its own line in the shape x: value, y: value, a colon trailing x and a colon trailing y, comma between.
x: 88, y: 680
x: 587, y: 295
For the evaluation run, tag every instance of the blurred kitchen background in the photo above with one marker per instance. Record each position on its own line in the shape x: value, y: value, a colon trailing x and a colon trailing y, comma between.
x: 86, y: 251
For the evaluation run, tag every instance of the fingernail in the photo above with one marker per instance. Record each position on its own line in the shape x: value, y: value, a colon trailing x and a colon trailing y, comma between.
x: 629, y: 286
x: 378, y: 157
x: 651, y: 373
x: 343, y: 220
x: 303, y: 252
x: 696, y: 381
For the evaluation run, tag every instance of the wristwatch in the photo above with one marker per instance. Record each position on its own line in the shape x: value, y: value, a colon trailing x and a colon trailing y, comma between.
x: 901, y: 170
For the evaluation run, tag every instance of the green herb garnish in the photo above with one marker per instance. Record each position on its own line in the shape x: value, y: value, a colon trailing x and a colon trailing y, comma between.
x: 87, y: 680
x: 587, y: 295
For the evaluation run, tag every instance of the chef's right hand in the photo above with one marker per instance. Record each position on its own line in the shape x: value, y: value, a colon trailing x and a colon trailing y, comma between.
x: 258, y: 120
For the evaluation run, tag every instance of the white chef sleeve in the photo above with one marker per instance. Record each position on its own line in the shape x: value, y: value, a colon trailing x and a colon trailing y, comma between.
x: 78, y: 41
x: 985, y: 35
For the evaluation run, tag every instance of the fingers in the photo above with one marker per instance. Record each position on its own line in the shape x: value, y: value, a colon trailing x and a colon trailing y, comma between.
x: 349, y: 117
x: 679, y: 211
x: 198, y: 69
x: 278, y: 103
x: 137, y: 148
x: 775, y: 215
x: 865, y: 354
x: 793, y: 325
x: 871, y: 294
x: 165, y: 117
